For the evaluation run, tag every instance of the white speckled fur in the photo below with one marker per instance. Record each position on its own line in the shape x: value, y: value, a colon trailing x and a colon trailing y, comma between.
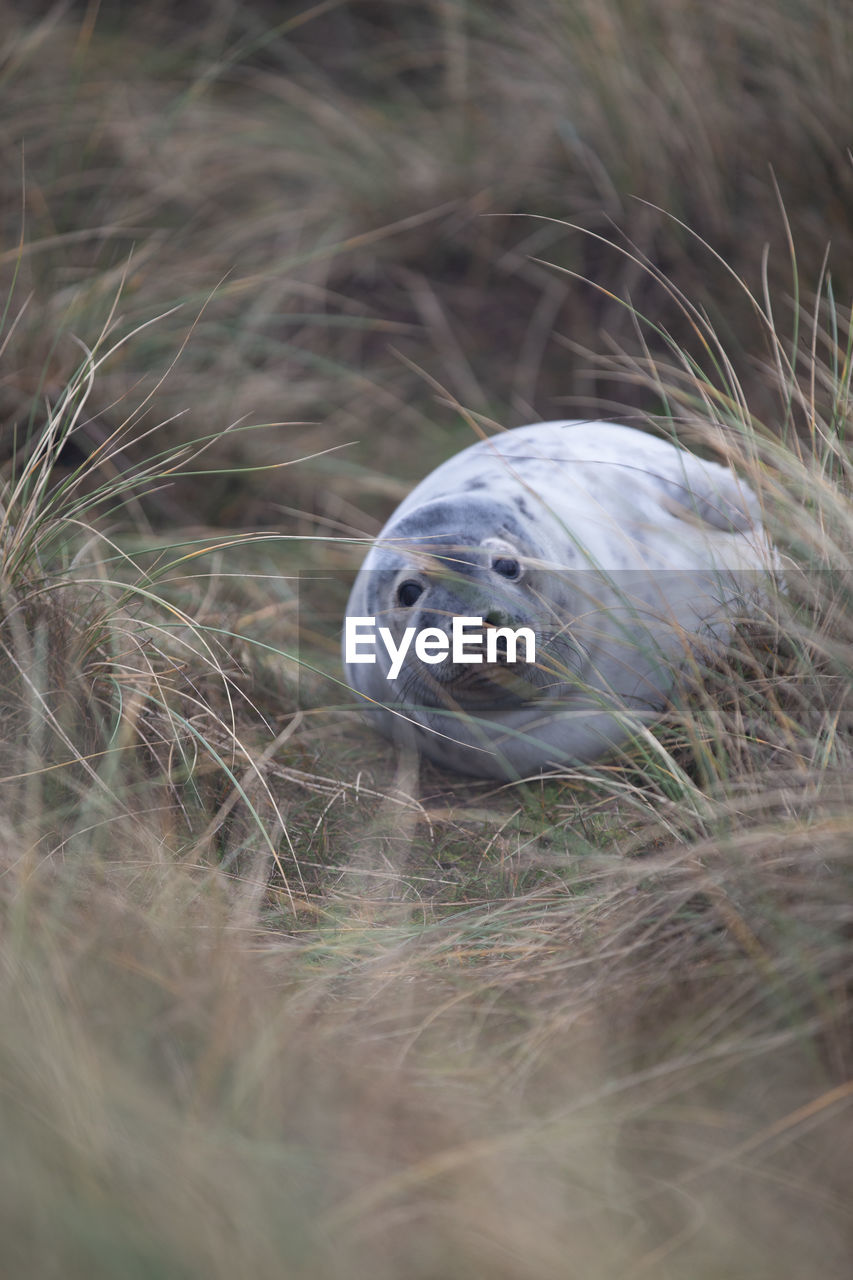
x: 634, y: 553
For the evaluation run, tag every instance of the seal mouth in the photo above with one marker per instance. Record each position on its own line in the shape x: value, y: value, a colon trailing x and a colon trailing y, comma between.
x: 491, y: 686
x: 495, y: 686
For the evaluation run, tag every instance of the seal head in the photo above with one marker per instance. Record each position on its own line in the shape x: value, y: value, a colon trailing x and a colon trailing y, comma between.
x: 443, y: 562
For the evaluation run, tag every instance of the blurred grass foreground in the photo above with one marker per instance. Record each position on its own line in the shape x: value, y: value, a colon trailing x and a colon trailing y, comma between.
x: 271, y: 1005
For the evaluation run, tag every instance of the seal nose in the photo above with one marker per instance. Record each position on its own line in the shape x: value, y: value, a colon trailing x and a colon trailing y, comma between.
x: 496, y: 618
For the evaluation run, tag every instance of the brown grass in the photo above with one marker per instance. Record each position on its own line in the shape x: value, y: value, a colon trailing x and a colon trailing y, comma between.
x: 274, y: 1002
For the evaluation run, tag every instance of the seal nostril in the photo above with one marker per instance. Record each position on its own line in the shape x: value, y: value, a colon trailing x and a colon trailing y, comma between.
x: 496, y: 618
x: 408, y: 592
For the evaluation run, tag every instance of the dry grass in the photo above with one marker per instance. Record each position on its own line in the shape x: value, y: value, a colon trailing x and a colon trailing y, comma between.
x: 343, y: 186
x: 273, y: 1003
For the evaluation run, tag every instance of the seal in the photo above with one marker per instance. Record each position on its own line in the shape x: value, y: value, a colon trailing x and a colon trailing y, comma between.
x: 622, y: 556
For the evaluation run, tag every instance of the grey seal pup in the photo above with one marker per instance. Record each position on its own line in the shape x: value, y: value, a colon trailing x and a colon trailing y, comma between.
x: 597, y: 559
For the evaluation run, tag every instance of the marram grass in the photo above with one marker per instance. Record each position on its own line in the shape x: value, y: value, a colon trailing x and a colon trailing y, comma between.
x: 264, y: 1014
x: 273, y: 1003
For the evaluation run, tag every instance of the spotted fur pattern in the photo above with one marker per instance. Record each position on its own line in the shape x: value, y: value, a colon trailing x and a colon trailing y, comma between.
x: 632, y: 555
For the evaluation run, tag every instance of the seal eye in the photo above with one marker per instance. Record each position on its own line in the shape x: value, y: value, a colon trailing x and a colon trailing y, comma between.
x: 408, y: 592
x: 507, y: 567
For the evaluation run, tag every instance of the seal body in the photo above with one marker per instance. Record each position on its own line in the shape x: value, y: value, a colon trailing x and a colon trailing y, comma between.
x: 622, y: 554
